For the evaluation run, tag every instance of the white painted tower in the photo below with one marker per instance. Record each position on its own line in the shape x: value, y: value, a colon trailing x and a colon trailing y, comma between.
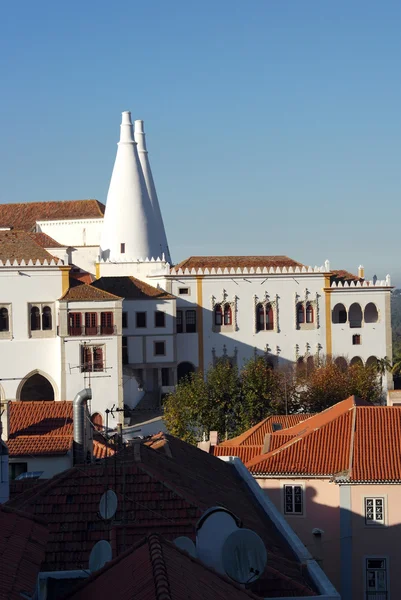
x: 130, y: 230
x: 150, y: 184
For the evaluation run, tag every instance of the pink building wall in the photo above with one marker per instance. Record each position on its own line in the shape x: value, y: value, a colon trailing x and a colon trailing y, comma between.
x: 346, y: 541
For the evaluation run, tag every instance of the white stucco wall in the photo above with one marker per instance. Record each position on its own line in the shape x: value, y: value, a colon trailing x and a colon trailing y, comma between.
x: 20, y: 352
x: 73, y: 232
x: 50, y: 465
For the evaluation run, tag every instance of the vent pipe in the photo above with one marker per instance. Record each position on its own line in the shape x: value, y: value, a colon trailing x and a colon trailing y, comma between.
x: 80, y: 410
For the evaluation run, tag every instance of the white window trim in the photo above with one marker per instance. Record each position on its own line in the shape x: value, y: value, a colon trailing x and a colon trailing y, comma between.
x: 364, y: 567
x: 42, y: 333
x: 302, y: 486
x: 375, y: 524
x: 7, y: 335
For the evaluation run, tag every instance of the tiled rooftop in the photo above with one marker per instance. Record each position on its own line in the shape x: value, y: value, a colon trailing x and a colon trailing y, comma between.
x: 256, y: 435
x: 82, y: 291
x: 351, y: 439
x: 156, y: 569
x: 222, y: 262
x: 25, y: 215
x: 343, y: 276
x: 23, y: 540
x: 44, y: 240
x: 44, y: 429
x: 163, y: 492
x: 19, y: 245
x: 130, y: 288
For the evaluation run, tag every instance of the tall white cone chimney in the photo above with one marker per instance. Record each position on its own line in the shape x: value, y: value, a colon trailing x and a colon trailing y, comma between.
x: 150, y: 184
x: 130, y: 231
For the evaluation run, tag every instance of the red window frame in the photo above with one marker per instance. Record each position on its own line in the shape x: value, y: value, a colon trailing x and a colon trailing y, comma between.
x: 309, y: 314
x: 90, y: 323
x: 218, y: 315
x: 260, y: 317
x: 269, y: 317
x: 300, y: 313
x: 74, y: 324
x: 228, y: 315
x: 106, y: 322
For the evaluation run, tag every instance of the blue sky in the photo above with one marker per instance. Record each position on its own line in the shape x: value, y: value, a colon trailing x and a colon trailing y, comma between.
x: 273, y: 127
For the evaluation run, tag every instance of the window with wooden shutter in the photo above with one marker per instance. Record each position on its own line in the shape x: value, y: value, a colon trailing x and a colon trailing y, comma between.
x: 106, y: 320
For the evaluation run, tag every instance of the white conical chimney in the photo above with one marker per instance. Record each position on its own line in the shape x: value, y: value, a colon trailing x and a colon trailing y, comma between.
x: 130, y: 231
x: 150, y: 184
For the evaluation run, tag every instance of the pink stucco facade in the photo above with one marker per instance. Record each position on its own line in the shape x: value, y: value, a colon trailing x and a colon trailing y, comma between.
x: 346, y: 542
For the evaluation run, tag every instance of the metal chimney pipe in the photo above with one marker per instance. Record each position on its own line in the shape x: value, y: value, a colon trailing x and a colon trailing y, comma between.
x: 79, y: 409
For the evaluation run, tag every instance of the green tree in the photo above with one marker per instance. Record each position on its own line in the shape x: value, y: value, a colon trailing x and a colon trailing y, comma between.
x: 264, y: 391
x: 202, y: 404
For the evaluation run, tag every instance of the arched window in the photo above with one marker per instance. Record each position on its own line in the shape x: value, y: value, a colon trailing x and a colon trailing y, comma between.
x: 35, y: 318
x: 341, y: 363
x: 339, y: 314
x: 309, y: 313
x: 218, y: 315
x: 357, y: 360
x: 355, y: 315
x: 227, y: 315
x: 370, y: 314
x: 300, y: 313
x: 4, y: 322
x: 269, y: 317
x: 260, y: 317
x: 46, y: 318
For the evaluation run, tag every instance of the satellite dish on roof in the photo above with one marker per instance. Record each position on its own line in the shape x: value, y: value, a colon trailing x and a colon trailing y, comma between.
x: 185, y: 543
x: 108, y: 505
x: 212, y: 530
x: 244, y: 556
x: 101, y: 554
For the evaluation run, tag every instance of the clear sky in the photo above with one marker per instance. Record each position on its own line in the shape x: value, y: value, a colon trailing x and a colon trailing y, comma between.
x: 273, y: 127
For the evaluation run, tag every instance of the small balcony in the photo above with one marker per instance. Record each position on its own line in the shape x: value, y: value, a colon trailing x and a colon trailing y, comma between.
x: 92, y: 331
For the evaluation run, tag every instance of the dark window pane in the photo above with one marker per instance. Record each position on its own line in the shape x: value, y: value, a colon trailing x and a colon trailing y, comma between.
x: 160, y: 349
x: 46, y: 318
x: 125, y: 320
x: 190, y: 321
x: 179, y: 321
x: 4, y: 322
x: 160, y: 319
x: 35, y: 318
x: 141, y: 319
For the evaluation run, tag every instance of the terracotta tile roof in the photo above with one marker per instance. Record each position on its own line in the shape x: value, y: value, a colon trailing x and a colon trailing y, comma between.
x: 130, y: 288
x: 164, y: 493
x: 39, y: 428
x: 256, y: 435
x: 352, y: 439
x: 44, y: 240
x: 157, y: 569
x: 25, y: 215
x: 23, y: 540
x: 45, y: 428
x: 81, y: 276
x: 19, y: 245
x: 79, y: 292
x: 342, y: 276
x: 222, y: 262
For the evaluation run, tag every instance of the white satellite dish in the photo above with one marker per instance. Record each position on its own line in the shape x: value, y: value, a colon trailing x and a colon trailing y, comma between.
x: 244, y: 556
x: 101, y: 554
x: 108, y: 505
x: 185, y: 543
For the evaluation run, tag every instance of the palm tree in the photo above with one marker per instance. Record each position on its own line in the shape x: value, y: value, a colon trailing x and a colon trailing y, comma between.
x: 383, y: 365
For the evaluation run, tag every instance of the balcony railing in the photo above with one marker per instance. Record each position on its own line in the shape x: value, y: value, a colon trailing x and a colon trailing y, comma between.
x: 92, y: 331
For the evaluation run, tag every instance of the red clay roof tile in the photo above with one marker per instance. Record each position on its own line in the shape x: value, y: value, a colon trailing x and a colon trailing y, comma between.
x: 44, y: 240
x: 25, y: 215
x: 163, y: 493
x: 157, y: 569
x: 19, y: 245
x: 222, y: 262
x: 79, y: 292
x: 130, y: 288
x: 23, y: 540
x: 256, y: 435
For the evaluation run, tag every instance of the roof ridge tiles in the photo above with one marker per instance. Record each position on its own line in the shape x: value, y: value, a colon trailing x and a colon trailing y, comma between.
x: 160, y: 574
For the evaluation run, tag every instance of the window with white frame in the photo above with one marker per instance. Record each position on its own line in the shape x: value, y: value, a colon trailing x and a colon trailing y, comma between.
x: 5, y: 320
x: 293, y: 500
x: 376, y: 578
x: 41, y: 317
x: 374, y: 511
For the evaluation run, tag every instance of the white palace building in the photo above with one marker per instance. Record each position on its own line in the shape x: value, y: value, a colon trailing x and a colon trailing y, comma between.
x: 89, y: 296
